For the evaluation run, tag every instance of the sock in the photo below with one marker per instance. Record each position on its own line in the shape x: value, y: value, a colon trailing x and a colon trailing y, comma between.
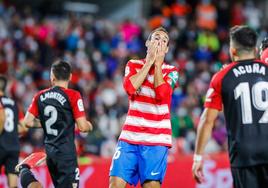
x: 26, y: 176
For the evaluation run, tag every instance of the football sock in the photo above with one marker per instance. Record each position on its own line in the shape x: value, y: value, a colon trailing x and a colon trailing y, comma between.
x: 26, y: 176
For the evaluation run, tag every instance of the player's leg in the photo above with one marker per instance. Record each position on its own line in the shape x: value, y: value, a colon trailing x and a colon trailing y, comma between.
x: 67, y: 175
x: 152, y: 165
x: 12, y: 180
x: 10, y: 164
x: 117, y: 182
x: 245, y: 177
x: 151, y: 184
x: 52, y: 168
x: 35, y: 185
x: 124, y: 167
x: 263, y: 174
x: 27, y: 178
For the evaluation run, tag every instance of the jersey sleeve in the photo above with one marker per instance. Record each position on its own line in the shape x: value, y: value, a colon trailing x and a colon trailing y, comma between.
x: 213, y: 96
x: 77, y: 105
x: 129, y: 71
x: 33, y: 108
x: 172, y: 78
x: 164, y: 91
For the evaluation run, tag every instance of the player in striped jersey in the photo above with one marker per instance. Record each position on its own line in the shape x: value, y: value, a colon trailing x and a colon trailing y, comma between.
x: 141, y: 153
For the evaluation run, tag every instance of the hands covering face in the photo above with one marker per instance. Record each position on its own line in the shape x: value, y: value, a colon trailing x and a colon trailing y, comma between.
x: 160, y: 54
x: 157, y: 47
x: 156, y: 53
x: 151, y: 52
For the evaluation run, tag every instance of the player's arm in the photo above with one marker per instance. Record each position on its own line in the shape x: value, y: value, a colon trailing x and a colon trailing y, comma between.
x: 204, y: 131
x: 21, y: 128
x: 2, y: 119
x: 133, y: 79
x: 164, y: 85
x: 137, y: 79
x: 79, y: 113
x: 30, y: 121
x: 83, y: 125
x: 213, y: 105
x: 158, y: 76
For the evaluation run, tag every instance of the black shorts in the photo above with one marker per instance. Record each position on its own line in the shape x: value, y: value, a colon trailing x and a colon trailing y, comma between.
x: 64, y: 172
x: 250, y: 177
x: 9, y: 159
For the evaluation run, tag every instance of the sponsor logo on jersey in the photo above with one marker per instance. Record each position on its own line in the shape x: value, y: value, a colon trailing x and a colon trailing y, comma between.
x: 80, y: 105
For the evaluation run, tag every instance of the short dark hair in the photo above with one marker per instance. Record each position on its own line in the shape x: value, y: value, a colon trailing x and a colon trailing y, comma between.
x: 3, y: 83
x: 61, y: 70
x: 155, y: 30
x: 243, y: 37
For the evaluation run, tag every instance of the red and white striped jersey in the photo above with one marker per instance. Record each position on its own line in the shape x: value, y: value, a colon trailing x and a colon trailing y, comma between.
x: 148, y: 118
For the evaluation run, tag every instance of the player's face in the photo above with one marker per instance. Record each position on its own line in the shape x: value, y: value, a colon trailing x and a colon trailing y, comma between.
x: 160, y: 38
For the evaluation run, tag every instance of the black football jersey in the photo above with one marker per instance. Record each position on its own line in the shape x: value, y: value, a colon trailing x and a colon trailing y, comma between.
x: 57, y: 108
x: 9, y: 140
x: 242, y: 89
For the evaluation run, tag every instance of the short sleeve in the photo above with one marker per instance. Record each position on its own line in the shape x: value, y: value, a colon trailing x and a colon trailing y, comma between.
x: 77, y: 105
x: 213, y: 96
x: 33, y: 108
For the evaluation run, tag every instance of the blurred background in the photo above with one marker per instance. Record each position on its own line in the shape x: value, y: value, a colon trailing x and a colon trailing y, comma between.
x: 98, y: 37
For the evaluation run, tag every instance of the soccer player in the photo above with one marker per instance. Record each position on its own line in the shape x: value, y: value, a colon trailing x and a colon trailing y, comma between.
x: 59, y: 109
x: 10, y: 117
x: 142, y: 149
x: 241, y: 89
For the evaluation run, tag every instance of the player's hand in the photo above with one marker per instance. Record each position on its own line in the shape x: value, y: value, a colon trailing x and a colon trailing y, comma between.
x: 90, y: 127
x: 197, y: 171
x: 151, y: 53
x: 160, y: 55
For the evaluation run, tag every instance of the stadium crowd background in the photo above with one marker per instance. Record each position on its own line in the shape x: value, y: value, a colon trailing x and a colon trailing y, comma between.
x: 99, y: 49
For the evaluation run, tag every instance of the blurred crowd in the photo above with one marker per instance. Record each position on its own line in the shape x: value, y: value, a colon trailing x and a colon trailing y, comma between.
x: 99, y: 49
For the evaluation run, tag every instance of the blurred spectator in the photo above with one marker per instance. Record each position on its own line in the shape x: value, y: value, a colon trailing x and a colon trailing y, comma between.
x: 253, y: 15
x: 206, y: 15
x: 237, y: 15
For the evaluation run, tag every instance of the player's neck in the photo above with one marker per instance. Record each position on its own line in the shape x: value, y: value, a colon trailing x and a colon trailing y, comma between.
x: 245, y: 57
x: 61, y: 84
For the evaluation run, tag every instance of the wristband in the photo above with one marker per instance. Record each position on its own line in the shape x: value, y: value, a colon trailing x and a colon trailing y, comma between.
x: 197, y: 158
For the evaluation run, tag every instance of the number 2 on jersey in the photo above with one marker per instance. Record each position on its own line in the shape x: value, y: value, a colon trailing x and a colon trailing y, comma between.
x: 52, y: 113
x: 259, y: 99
